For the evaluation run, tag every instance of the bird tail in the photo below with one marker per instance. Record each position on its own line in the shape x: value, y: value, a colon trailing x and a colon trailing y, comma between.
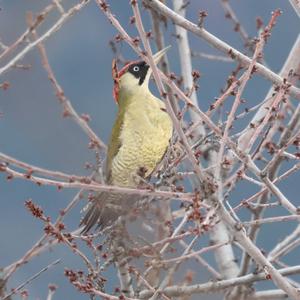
x: 104, y: 210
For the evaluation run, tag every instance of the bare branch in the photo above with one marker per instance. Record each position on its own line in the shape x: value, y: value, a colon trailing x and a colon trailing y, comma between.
x: 29, y: 280
x: 219, y: 44
x: 71, y: 12
x: 177, y: 291
x: 296, y: 6
x: 69, y: 111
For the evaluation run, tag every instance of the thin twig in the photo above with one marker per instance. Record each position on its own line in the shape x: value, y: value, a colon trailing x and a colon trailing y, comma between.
x: 71, y: 12
x: 69, y: 110
x: 29, y: 280
x: 219, y: 44
x: 98, y: 187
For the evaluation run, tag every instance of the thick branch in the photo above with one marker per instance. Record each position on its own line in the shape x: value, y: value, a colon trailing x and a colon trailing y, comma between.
x: 176, y: 291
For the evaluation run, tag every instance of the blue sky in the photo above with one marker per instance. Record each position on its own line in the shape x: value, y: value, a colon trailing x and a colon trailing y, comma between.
x: 33, y: 130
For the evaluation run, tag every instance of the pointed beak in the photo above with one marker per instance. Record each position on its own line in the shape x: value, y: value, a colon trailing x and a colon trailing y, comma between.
x: 157, y: 56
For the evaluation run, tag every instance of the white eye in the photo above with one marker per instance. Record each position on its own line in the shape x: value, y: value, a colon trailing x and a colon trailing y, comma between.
x: 136, y: 68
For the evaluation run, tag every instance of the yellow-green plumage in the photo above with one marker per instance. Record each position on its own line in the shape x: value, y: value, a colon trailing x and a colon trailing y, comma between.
x: 139, y: 140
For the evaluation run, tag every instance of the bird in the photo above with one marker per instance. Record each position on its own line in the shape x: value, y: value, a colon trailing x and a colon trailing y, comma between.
x: 139, y: 139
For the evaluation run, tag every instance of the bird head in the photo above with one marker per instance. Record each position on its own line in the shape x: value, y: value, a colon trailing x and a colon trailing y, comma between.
x: 134, y: 76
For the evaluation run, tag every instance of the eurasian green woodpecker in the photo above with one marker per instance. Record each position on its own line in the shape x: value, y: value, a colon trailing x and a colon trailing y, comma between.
x: 139, y: 140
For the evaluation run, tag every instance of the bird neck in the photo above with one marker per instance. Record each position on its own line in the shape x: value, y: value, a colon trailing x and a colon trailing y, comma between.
x: 128, y: 96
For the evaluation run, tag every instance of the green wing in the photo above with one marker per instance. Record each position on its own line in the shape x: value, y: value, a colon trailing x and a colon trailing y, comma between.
x: 114, y: 143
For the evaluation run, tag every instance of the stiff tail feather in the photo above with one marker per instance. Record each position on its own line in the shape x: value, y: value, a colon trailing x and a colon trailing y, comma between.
x: 104, y: 210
